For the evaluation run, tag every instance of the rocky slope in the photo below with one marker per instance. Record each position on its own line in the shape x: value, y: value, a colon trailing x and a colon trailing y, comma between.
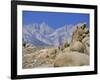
x: 75, y: 53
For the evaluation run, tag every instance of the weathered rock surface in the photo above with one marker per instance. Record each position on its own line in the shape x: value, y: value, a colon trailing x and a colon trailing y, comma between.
x: 75, y: 53
x: 77, y: 46
x: 71, y: 59
x: 86, y: 42
x: 80, y: 39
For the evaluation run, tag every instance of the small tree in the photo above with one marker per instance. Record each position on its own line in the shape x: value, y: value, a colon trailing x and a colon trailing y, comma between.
x: 24, y: 42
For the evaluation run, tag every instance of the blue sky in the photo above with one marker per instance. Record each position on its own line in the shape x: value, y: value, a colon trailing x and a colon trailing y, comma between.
x: 53, y: 19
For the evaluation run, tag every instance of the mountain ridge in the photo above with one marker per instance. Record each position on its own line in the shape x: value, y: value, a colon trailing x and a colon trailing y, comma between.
x: 43, y: 33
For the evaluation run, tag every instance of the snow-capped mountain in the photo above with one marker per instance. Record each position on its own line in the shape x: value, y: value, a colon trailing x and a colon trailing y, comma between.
x: 42, y: 34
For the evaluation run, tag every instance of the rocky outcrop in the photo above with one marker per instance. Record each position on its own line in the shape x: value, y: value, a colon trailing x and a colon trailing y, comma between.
x: 71, y: 59
x: 86, y: 42
x: 80, y: 39
x: 77, y: 46
x: 80, y: 32
x: 75, y: 53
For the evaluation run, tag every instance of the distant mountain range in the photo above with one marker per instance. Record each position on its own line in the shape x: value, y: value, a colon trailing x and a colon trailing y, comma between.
x: 43, y: 35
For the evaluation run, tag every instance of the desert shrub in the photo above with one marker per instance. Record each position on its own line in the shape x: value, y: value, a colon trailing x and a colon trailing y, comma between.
x: 24, y: 44
x: 65, y: 45
x: 83, y: 26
